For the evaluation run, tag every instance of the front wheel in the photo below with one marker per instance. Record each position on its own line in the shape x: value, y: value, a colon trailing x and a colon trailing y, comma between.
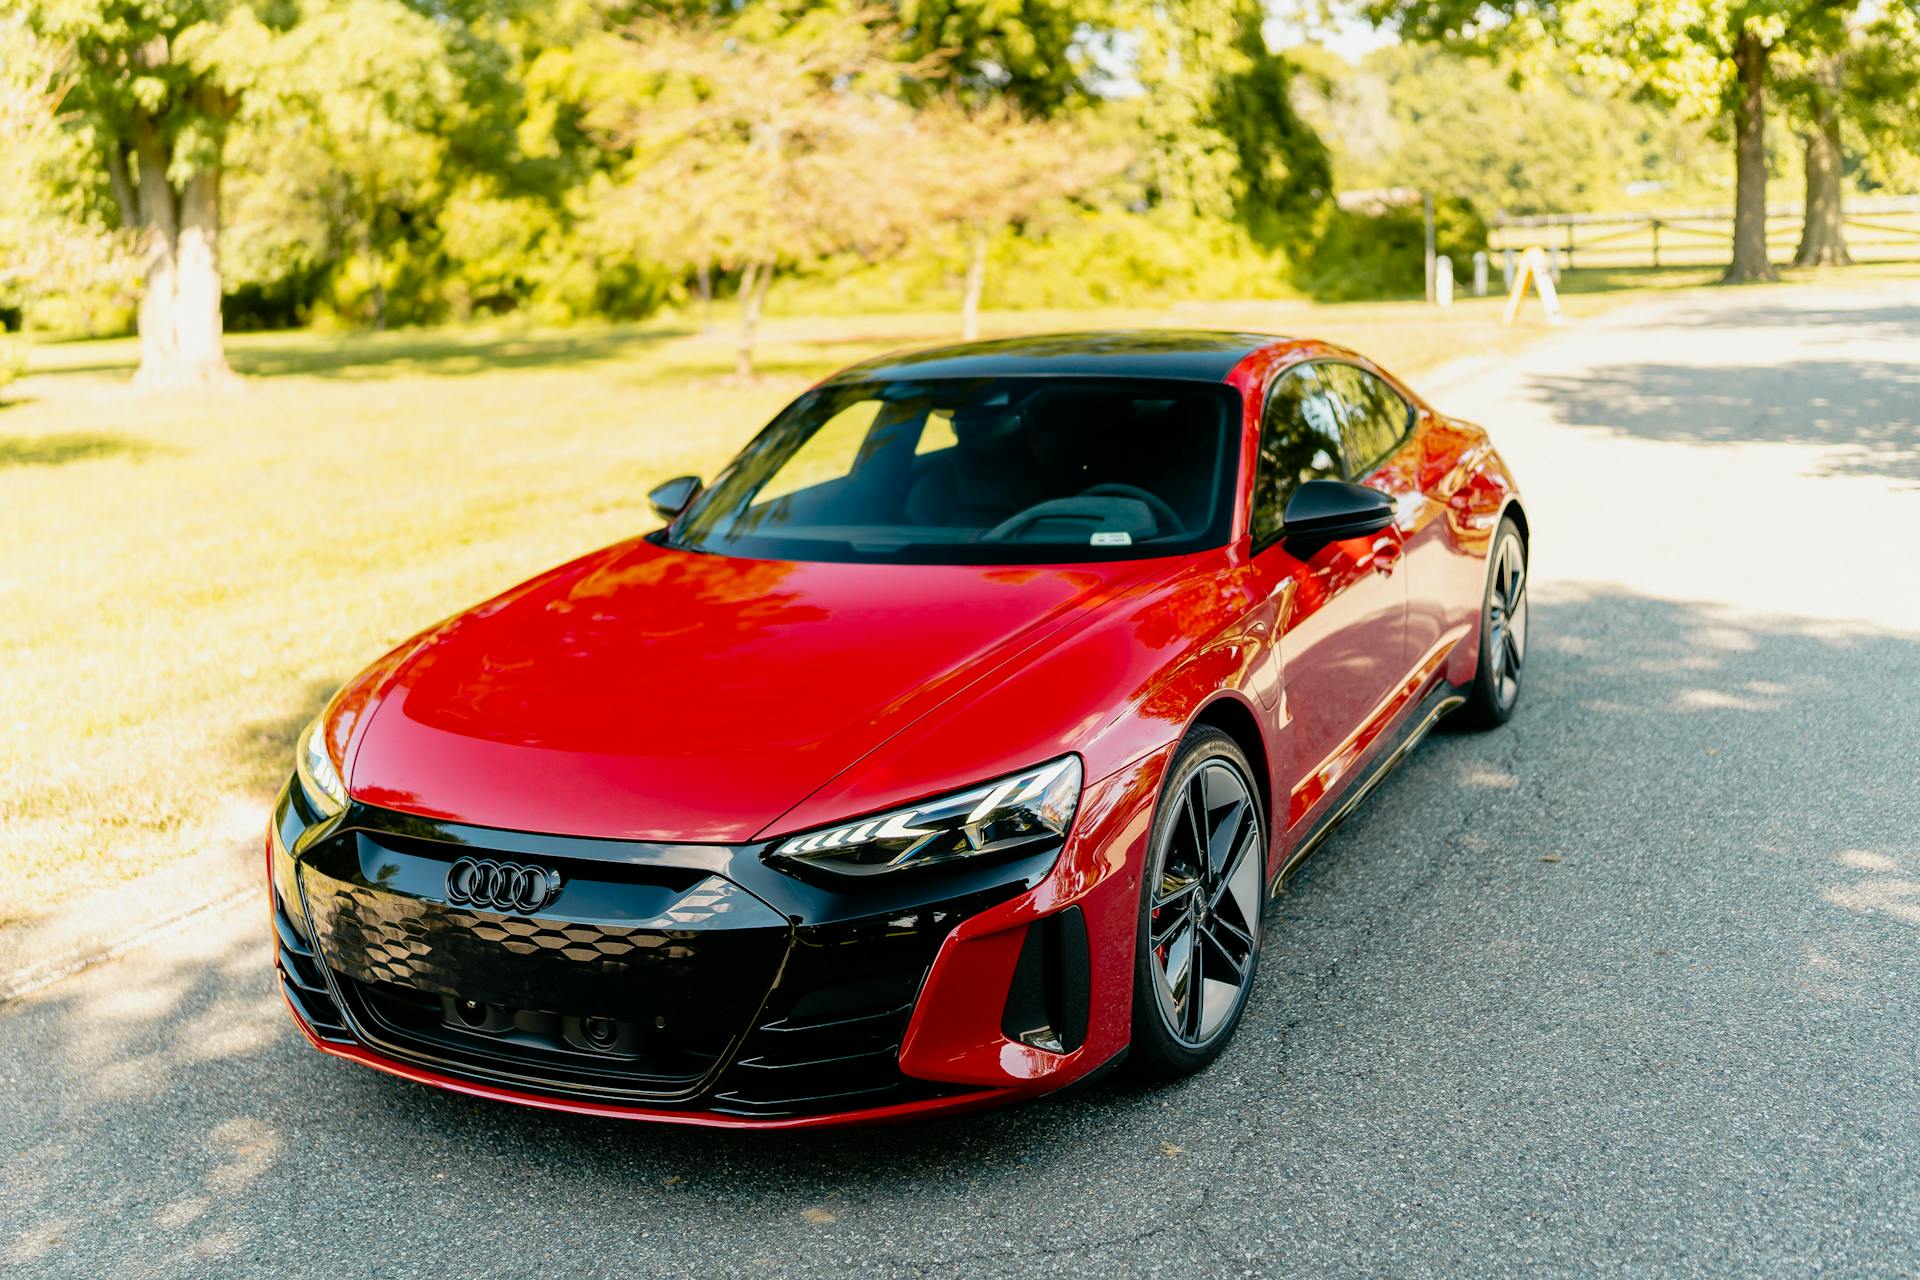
x: 1200, y: 909
x: 1503, y: 632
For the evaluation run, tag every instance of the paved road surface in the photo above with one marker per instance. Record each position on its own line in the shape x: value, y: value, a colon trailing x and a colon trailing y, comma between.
x: 1632, y: 986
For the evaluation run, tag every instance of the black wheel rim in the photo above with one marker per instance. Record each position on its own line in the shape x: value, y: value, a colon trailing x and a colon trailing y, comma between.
x: 1507, y: 619
x: 1203, y: 919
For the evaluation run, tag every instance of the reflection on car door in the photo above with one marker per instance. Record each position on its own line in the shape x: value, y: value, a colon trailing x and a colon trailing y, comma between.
x: 1392, y: 454
x: 1343, y: 606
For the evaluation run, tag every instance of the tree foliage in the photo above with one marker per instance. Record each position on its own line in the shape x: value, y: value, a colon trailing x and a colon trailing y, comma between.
x: 1282, y: 168
x: 1500, y: 133
x: 375, y: 162
x: 46, y: 243
x: 1704, y: 58
x: 754, y: 152
x: 1027, y: 53
x: 984, y: 169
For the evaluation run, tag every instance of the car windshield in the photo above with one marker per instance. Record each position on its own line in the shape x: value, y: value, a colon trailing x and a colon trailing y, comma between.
x: 978, y: 471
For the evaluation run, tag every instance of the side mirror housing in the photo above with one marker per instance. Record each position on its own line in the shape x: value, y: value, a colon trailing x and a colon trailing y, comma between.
x: 1323, y: 511
x: 669, y: 498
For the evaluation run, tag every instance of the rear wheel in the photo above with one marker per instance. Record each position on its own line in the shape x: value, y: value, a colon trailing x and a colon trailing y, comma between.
x: 1503, y: 632
x: 1200, y: 908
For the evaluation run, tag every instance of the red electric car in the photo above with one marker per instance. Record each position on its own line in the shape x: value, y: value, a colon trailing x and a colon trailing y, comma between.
x: 940, y: 752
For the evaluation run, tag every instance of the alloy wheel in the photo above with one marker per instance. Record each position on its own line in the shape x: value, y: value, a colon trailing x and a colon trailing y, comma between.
x: 1203, y: 924
x: 1507, y: 619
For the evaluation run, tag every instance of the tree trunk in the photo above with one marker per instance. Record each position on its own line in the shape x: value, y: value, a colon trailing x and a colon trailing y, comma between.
x: 181, y: 342
x: 703, y: 276
x: 1750, y: 164
x: 976, y: 283
x: 377, y: 270
x: 199, y: 337
x: 753, y: 295
x: 1823, y: 238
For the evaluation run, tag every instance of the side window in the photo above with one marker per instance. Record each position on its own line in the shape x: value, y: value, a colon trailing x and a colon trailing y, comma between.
x: 1299, y: 440
x: 1376, y: 420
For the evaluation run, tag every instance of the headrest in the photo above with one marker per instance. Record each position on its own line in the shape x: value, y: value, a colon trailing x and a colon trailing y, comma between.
x: 986, y: 425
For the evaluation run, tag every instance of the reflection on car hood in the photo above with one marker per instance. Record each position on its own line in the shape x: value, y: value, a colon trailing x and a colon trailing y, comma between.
x: 654, y: 694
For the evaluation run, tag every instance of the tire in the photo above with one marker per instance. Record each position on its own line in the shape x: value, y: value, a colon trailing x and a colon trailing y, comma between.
x: 1218, y: 920
x: 1503, y: 633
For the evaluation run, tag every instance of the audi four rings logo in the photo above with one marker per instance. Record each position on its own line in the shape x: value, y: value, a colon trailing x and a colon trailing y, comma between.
x: 504, y: 886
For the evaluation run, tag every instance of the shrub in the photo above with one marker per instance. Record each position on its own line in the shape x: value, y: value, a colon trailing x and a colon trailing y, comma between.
x: 13, y: 361
x: 1383, y: 255
x: 1085, y: 258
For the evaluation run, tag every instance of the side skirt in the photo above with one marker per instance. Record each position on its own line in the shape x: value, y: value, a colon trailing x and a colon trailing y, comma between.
x: 1448, y: 700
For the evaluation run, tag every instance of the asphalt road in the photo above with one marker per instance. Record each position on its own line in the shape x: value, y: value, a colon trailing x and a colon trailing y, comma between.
x: 1631, y: 986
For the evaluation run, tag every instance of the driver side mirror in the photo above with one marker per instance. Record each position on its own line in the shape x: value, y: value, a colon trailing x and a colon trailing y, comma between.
x: 1323, y: 511
x: 669, y: 498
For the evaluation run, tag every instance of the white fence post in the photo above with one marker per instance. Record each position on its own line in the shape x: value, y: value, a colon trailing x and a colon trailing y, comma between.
x: 1443, y: 280
x: 1480, y: 274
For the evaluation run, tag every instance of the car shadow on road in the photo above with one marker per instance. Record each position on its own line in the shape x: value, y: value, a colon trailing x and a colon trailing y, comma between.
x: 1517, y: 922
x: 1864, y: 414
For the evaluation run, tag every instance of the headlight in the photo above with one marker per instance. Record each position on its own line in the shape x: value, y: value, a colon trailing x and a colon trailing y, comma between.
x: 314, y: 767
x: 996, y: 819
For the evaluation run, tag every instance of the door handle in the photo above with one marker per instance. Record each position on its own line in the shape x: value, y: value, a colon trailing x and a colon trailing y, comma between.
x: 1386, y: 556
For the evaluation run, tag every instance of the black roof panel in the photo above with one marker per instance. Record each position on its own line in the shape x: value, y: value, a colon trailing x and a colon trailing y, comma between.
x: 1192, y: 354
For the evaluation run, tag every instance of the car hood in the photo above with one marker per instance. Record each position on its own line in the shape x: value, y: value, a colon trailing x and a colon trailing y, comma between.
x: 647, y: 693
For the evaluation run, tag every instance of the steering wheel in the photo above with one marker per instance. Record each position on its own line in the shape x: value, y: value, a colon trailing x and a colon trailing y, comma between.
x: 1163, y: 515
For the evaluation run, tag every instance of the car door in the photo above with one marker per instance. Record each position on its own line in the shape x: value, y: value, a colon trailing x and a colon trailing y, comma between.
x: 1385, y: 450
x: 1342, y: 606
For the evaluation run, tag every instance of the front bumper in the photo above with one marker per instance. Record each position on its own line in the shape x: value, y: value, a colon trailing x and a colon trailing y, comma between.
x: 696, y: 984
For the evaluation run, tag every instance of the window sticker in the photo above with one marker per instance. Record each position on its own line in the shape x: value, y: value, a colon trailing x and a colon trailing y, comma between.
x: 1119, y: 539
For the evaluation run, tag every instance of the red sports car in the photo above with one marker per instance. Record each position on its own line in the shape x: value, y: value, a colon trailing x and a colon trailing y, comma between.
x: 941, y: 752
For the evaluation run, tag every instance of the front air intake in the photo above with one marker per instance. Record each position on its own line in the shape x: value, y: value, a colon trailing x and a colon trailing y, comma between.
x: 1047, y: 999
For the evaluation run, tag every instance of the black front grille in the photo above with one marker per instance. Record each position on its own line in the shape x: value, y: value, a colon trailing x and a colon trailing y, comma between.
x: 656, y: 976
x: 633, y: 983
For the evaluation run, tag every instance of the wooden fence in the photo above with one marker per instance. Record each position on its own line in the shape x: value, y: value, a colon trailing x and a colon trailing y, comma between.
x: 1878, y: 229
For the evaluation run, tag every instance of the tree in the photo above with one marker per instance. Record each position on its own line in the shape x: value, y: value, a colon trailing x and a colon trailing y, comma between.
x: 365, y: 90
x: 755, y: 152
x: 1823, y: 239
x: 1492, y: 131
x: 1705, y: 57
x: 1882, y: 98
x: 1223, y: 138
x: 1030, y: 52
x: 151, y: 96
x: 1283, y: 168
x: 988, y: 168
x: 46, y: 244
x: 1865, y: 87
x: 163, y: 90
x: 1181, y: 55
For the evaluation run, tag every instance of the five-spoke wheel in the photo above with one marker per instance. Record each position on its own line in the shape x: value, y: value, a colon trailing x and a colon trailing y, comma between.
x: 1503, y: 632
x: 1200, y: 908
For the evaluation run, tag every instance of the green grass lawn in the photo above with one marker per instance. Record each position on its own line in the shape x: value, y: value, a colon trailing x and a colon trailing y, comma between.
x: 187, y: 578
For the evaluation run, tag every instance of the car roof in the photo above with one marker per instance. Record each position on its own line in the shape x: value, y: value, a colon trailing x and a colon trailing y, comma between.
x: 1199, y: 355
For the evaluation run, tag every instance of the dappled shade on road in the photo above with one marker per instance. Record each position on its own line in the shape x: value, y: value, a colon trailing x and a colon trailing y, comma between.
x: 1863, y: 414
